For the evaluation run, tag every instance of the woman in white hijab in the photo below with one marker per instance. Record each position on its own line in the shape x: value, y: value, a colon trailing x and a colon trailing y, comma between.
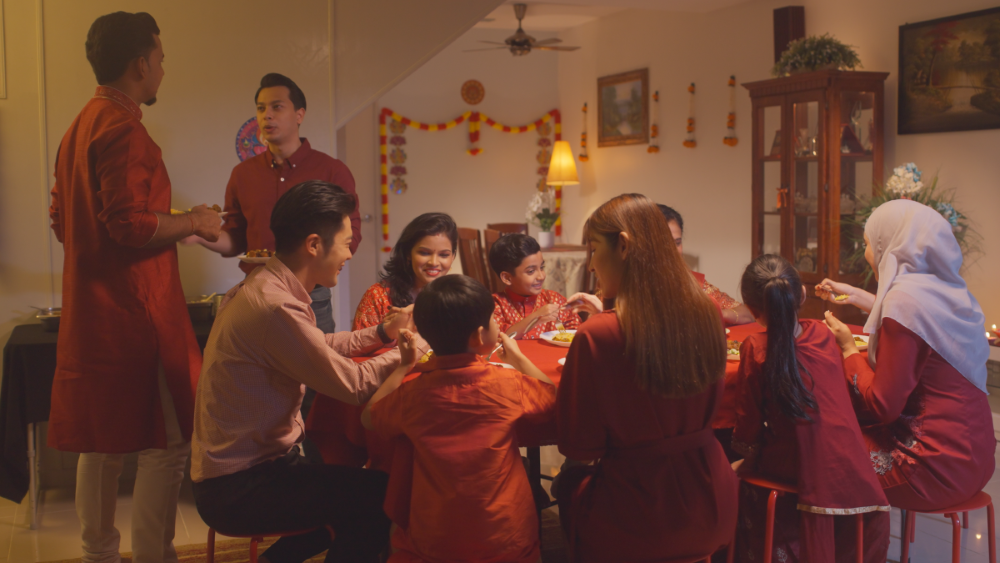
x: 921, y: 396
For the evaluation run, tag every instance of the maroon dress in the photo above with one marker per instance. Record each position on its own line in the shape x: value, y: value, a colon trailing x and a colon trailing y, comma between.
x: 662, y: 487
x: 825, y: 459
x: 929, y: 430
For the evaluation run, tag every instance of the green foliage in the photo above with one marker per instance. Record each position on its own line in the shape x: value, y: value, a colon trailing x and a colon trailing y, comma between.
x: 814, y: 53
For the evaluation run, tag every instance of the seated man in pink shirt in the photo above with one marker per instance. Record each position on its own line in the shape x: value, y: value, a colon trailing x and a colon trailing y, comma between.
x: 264, y: 349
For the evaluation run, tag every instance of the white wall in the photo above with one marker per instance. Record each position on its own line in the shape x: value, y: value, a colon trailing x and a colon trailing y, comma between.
x: 496, y: 185
x: 710, y: 185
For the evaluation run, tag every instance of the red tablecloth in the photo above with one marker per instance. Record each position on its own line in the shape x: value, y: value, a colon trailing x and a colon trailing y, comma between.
x: 335, y: 427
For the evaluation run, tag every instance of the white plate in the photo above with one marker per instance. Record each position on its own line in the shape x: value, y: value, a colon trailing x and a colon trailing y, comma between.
x: 243, y: 258
x: 862, y: 337
x: 562, y: 361
x: 547, y: 336
x: 727, y: 331
x: 733, y: 357
x: 502, y: 365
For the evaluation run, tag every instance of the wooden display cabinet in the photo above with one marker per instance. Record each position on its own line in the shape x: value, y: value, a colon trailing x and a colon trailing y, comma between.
x: 817, y: 153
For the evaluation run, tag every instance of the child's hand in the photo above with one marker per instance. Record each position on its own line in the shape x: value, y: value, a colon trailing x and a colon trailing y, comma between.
x: 584, y: 302
x: 547, y: 313
x: 398, y: 318
x: 408, y: 351
x: 510, y: 352
x: 842, y: 334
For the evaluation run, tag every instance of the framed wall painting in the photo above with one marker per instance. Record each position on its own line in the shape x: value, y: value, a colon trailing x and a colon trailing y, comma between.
x: 949, y: 72
x: 623, y: 109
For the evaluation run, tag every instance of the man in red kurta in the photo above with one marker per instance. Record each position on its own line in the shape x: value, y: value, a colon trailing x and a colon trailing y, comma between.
x: 127, y: 360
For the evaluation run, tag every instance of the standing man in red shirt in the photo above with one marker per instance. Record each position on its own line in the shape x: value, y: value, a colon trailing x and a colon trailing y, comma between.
x: 127, y: 360
x: 256, y: 183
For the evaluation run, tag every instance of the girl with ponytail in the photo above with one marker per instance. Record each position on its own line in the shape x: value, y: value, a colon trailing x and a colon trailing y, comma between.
x: 795, y: 424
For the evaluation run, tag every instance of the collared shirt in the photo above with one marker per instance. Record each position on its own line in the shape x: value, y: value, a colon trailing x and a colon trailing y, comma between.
x: 511, y: 308
x: 263, y: 351
x: 256, y: 184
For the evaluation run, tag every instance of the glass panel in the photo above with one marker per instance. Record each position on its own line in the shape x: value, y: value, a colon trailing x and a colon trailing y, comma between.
x: 772, y: 131
x: 857, y: 130
x: 772, y: 182
x: 770, y: 177
x: 805, y: 187
x: 772, y: 234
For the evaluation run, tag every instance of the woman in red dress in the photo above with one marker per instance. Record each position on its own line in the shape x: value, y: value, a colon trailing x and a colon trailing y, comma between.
x: 641, y: 383
x: 795, y: 424
x: 424, y: 252
x: 921, y: 396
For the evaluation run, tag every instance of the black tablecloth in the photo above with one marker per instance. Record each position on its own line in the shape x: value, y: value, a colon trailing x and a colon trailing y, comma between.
x: 29, y: 364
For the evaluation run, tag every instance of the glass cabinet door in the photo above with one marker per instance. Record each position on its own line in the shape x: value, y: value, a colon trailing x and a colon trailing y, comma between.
x: 857, y: 174
x: 773, y: 193
x: 804, y: 215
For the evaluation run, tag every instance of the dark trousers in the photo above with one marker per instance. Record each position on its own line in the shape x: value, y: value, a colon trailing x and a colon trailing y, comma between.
x: 322, y: 306
x: 290, y: 494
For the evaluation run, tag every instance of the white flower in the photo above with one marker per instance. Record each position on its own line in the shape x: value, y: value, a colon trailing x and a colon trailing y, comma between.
x: 542, y: 200
x: 905, y: 181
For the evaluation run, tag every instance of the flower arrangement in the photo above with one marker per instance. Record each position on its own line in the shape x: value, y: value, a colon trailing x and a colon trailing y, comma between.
x: 540, y: 208
x: 906, y: 183
x: 816, y: 52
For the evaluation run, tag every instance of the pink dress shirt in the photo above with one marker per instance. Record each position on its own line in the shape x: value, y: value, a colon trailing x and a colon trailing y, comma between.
x: 263, y: 351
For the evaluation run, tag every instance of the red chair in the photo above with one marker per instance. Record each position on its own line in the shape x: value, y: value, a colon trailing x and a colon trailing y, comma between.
x: 490, y: 236
x: 980, y: 500
x: 778, y: 489
x: 254, y: 540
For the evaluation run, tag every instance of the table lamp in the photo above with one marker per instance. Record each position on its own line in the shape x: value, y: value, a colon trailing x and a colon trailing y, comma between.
x: 562, y: 172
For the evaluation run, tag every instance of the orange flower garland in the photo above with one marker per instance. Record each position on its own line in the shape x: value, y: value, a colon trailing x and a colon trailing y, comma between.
x: 654, y: 133
x: 583, y: 137
x: 730, y: 138
x: 690, y: 142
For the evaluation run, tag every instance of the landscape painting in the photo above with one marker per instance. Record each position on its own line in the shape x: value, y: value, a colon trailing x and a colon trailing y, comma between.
x: 950, y: 74
x: 623, y: 109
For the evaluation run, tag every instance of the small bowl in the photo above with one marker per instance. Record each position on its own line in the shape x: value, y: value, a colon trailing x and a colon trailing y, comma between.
x: 50, y: 318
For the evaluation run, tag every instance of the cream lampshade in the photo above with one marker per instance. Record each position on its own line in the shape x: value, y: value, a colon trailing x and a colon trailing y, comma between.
x: 562, y: 167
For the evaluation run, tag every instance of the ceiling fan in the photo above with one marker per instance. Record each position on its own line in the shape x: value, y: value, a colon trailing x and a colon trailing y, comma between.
x: 521, y: 43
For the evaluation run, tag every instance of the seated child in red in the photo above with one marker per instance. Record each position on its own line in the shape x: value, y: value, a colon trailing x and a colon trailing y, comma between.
x: 467, y: 496
x: 795, y: 424
x: 517, y: 260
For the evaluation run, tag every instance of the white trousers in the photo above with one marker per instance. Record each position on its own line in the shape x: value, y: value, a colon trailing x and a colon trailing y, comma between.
x: 154, y: 500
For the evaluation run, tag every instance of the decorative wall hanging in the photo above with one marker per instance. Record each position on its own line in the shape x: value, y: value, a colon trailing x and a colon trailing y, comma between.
x: 473, y: 92
x: 248, y: 141
x: 623, y: 109
x: 398, y: 158
x: 654, y: 129
x: 399, y: 123
x: 689, y: 142
x: 730, y: 138
x: 950, y: 74
x: 583, y: 137
x: 544, y: 154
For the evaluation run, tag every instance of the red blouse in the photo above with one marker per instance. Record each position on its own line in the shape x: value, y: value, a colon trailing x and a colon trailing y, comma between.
x: 374, y: 306
x: 663, y: 487
x: 511, y: 308
x: 925, y: 425
x: 719, y: 296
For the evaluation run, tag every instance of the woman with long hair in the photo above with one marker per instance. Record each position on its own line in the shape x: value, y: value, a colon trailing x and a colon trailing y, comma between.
x: 795, y: 424
x: 424, y: 252
x: 640, y: 385
x: 921, y: 395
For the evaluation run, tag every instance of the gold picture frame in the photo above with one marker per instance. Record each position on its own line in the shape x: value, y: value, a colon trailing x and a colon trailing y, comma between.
x: 623, y: 109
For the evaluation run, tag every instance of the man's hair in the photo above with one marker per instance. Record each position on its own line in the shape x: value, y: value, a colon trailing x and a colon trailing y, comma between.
x: 671, y: 214
x: 510, y: 250
x: 117, y: 39
x: 313, y: 207
x: 273, y: 79
x: 449, y: 309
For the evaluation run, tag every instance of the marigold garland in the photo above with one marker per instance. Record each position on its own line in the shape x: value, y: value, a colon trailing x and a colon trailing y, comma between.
x: 475, y: 119
x: 654, y: 118
x: 583, y: 137
x: 730, y: 138
x: 690, y: 141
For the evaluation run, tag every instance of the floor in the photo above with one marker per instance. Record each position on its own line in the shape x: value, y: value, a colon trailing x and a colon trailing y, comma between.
x: 58, y: 534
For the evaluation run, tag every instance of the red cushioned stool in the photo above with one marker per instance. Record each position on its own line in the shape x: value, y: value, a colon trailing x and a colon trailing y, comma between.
x: 256, y: 539
x: 778, y: 489
x: 980, y: 500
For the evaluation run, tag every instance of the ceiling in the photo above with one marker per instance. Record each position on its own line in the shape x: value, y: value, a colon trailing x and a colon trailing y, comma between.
x: 557, y: 15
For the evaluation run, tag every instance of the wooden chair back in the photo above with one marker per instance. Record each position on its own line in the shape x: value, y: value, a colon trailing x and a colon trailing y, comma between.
x: 470, y: 250
x: 490, y: 236
x: 509, y: 227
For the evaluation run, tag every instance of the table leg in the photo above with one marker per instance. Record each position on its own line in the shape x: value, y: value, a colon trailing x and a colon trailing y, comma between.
x: 32, y: 477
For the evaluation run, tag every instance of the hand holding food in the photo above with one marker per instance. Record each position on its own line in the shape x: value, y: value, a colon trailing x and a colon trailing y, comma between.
x: 509, y: 352
x: 407, y: 345
x: 206, y: 222
x: 398, y: 319
x: 586, y: 302
x: 835, y: 292
x: 547, y: 313
x: 842, y: 334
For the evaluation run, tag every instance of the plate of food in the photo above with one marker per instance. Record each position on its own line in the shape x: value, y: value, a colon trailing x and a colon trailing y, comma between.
x: 861, y: 341
x: 559, y: 337
x: 733, y: 350
x: 214, y: 206
x: 256, y: 256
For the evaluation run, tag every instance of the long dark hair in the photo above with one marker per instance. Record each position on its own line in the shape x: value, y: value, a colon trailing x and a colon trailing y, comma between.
x: 397, y: 274
x: 677, y: 343
x: 771, y: 288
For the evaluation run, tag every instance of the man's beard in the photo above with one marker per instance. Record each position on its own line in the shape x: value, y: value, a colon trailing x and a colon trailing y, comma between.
x: 150, y: 101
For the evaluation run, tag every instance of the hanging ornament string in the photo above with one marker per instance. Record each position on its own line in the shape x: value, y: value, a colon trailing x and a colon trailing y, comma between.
x: 544, y: 154
x: 654, y: 118
x: 689, y: 142
x: 583, y: 137
x: 474, y: 119
x: 730, y: 138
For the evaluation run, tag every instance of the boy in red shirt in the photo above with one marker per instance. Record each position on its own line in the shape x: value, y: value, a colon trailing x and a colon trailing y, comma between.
x: 517, y: 261
x: 464, y: 496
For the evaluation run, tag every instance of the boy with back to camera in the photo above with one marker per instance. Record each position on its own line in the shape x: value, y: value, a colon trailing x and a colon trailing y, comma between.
x: 469, y: 497
x: 524, y: 304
